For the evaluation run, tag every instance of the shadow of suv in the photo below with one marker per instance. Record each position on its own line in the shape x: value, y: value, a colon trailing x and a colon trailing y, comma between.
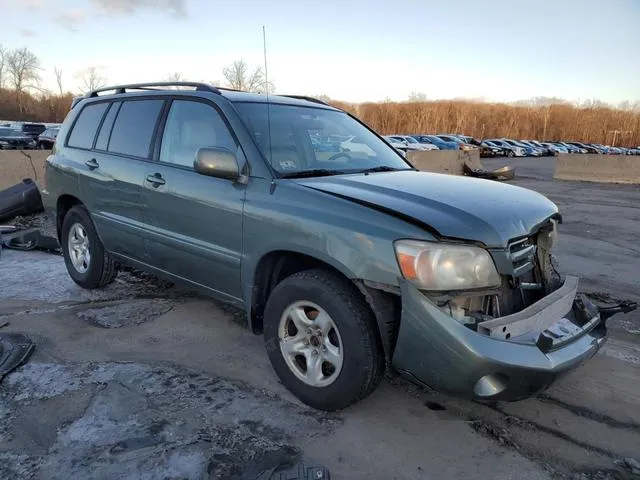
x: 347, y: 258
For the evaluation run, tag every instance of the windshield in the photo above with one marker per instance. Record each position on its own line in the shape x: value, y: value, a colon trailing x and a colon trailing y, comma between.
x: 300, y: 139
x: 449, y: 139
x: 411, y: 140
x: 8, y: 132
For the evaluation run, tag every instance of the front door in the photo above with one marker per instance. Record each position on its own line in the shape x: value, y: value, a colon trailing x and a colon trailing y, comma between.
x: 194, y: 222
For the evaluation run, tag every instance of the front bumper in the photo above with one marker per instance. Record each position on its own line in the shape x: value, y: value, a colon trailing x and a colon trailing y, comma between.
x: 434, y: 349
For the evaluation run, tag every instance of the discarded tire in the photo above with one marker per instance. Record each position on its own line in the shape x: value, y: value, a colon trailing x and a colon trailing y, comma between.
x: 21, y: 199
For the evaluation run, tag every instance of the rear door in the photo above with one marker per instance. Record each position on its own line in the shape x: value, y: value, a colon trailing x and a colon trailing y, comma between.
x: 114, y: 164
x: 194, y: 221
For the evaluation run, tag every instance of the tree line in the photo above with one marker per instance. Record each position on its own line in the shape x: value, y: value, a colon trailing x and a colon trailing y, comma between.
x: 595, y: 123
x: 23, y: 98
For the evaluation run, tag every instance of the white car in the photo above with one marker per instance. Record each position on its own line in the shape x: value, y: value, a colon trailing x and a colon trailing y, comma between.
x: 397, y: 144
x: 511, y: 150
x: 411, y: 143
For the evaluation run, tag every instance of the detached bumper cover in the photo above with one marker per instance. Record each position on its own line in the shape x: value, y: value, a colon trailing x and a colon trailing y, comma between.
x: 440, y: 352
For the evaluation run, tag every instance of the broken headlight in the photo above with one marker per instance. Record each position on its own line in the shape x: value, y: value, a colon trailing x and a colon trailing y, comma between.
x: 444, y: 267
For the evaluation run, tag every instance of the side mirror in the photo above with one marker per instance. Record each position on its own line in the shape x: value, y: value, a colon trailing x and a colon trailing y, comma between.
x: 217, y: 162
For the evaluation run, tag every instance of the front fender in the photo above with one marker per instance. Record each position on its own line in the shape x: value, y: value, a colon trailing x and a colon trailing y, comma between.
x: 354, y: 239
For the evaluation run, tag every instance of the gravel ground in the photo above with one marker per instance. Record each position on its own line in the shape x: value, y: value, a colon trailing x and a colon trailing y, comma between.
x: 138, y: 421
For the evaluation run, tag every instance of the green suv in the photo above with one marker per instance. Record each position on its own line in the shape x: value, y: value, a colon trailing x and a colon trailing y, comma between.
x: 346, y: 258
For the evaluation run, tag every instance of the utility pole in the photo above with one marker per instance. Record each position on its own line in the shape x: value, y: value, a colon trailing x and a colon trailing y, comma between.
x: 615, y: 135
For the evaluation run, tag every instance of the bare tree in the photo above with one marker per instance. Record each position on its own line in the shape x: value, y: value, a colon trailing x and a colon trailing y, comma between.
x: 238, y: 76
x: 417, y: 97
x: 58, y: 73
x: 3, y: 64
x: 174, y: 77
x: 91, y: 79
x: 23, y: 69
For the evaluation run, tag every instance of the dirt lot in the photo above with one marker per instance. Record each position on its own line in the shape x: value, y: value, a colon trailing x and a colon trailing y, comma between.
x: 143, y: 380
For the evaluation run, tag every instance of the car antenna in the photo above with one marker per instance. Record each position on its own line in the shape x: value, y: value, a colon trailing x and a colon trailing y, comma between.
x: 266, y: 84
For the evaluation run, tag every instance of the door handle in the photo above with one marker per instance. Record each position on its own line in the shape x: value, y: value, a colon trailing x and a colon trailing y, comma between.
x: 156, y: 180
x: 93, y: 163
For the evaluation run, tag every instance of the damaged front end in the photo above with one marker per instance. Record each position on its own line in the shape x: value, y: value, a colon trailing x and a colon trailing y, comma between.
x: 508, y: 341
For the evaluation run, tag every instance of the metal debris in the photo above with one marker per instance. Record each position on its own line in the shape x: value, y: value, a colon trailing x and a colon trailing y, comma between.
x: 20, y: 199
x: 504, y: 173
x: 15, y: 349
x: 31, y: 239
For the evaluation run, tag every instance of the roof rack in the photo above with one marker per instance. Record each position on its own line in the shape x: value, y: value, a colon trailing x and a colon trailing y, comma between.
x: 118, y: 89
x: 308, y: 99
x: 228, y: 89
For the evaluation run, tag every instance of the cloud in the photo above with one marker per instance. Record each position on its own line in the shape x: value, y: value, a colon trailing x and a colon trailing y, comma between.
x: 124, y: 7
x: 30, y: 4
x: 71, y: 18
x: 27, y: 33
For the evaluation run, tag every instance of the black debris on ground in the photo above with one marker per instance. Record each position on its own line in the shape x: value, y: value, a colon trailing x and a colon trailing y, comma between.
x: 136, y: 277
x: 37, y: 220
x: 15, y: 349
x: 488, y: 429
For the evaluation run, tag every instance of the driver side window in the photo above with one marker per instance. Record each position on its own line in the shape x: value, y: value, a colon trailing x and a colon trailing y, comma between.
x: 191, y: 126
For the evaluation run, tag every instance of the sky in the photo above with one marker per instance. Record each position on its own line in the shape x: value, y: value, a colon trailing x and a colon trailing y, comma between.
x: 350, y: 50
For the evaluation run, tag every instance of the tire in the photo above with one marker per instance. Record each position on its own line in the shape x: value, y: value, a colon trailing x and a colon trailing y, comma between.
x: 355, y: 332
x: 41, y: 146
x: 511, y: 154
x: 100, y: 269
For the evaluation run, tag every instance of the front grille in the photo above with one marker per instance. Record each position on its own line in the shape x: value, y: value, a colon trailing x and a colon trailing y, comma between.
x: 522, y: 254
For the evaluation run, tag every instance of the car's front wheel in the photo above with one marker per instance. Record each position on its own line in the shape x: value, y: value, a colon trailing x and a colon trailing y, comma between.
x: 88, y: 263
x: 322, y: 340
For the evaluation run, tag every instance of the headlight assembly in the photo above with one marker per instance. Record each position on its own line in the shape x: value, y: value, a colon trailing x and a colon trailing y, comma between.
x: 442, y: 267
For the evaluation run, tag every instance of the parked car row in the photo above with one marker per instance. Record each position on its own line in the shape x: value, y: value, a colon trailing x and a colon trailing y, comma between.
x: 501, y: 147
x: 27, y: 135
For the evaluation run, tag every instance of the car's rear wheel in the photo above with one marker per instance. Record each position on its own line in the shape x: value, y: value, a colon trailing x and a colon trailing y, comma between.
x: 88, y: 264
x: 511, y: 153
x: 322, y: 340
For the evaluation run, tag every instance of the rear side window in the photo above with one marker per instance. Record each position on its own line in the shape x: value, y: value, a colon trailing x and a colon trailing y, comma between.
x: 134, y: 126
x: 107, y: 125
x: 86, y: 126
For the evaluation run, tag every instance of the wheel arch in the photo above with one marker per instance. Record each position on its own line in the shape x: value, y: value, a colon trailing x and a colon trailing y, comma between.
x: 64, y: 203
x: 276, y: 265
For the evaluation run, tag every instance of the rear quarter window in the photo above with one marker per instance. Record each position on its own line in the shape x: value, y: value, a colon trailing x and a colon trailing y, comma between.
x: 86, y: 126
x: 134, y: 126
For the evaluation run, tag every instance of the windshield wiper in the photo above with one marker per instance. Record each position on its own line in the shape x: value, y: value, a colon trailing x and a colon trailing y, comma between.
x: 384, y: 168
x: 314, y: 172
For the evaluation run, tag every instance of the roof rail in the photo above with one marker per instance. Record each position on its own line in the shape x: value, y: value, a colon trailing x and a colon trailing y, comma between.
x: 308, y: 99
x: 228, y: 89
x: 118, y: 89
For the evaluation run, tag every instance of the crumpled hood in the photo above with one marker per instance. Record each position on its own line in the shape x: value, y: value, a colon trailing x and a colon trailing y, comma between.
x: 458, y: 207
